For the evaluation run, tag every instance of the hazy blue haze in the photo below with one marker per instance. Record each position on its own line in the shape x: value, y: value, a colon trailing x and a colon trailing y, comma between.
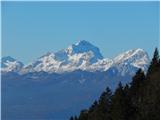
x: 30, y: 29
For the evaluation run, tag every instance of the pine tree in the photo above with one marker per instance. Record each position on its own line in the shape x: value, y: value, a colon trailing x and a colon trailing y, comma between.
x: 130, y: 109
x: 71, y: 118
x: 104, y: 104
x: 150, y: 107
x: 100, y: 110
x: 83, y: 115
x: 118, y: 106
x: 93, y: 106
x: 136, y: 93
x: 155, y: 63
x: 138, y: 101
x: 75, y: 118
x: 136, y: 84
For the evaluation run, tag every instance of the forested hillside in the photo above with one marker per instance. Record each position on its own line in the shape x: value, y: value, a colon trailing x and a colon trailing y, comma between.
x: 139, y: 100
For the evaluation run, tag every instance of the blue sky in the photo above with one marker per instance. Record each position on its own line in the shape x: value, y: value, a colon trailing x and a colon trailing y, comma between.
x: 30, y: 29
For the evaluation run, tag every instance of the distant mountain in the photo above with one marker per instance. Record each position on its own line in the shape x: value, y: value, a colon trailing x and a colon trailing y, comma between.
x: 58, y: 85
x: 128, y: 62
x: 77, y: 56
x: 138, y: 100
x: 9, y: 64
x: 81, y: 56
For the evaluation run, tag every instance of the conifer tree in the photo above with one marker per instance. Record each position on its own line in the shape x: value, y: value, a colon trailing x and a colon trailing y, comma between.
x: 137, y: 83
x: 83, y: 115
x: 136, y: 93
x: 71, y: 118
x: 150, y: 107
x: 75, y: 118
x: 155, y: 63
x: 104, y: 105
x: 138, y: 101
x: 118, y: 106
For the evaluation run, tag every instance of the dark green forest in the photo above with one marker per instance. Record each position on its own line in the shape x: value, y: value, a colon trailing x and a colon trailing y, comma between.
x: 139, y: 100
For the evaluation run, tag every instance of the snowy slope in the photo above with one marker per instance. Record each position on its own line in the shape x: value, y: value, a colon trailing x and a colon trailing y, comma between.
x: 77, y: 56
x: 9, y: 64
x: 130, y: 61
x: 84, y: 74
x: 81, y: 56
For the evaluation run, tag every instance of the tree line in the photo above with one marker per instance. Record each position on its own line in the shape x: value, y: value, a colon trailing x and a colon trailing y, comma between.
x: 139, y: 100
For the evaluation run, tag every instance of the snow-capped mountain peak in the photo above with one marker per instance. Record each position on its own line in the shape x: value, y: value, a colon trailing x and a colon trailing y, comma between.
x: 81, y: 56
x: 84, y: 46
x: 9, y: 64
x: 130, y: 61
x: 132, y: 55
x: 77, y: 56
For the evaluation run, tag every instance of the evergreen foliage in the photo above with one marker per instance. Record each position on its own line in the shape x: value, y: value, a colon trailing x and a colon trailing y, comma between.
x: 140, y: 100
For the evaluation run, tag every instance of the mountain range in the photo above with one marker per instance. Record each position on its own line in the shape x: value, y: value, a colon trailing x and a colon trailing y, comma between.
x: 80, y: 56
x: 60, y: 84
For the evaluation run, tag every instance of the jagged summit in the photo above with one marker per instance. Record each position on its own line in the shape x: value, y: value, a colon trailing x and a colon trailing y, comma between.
x: 77, y: 56
x: 84, y: 46
x: 82, y: 55
x: 9, y: 64
x: 131, y: 54
x: 131, y: 60
x: 80, y: 47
